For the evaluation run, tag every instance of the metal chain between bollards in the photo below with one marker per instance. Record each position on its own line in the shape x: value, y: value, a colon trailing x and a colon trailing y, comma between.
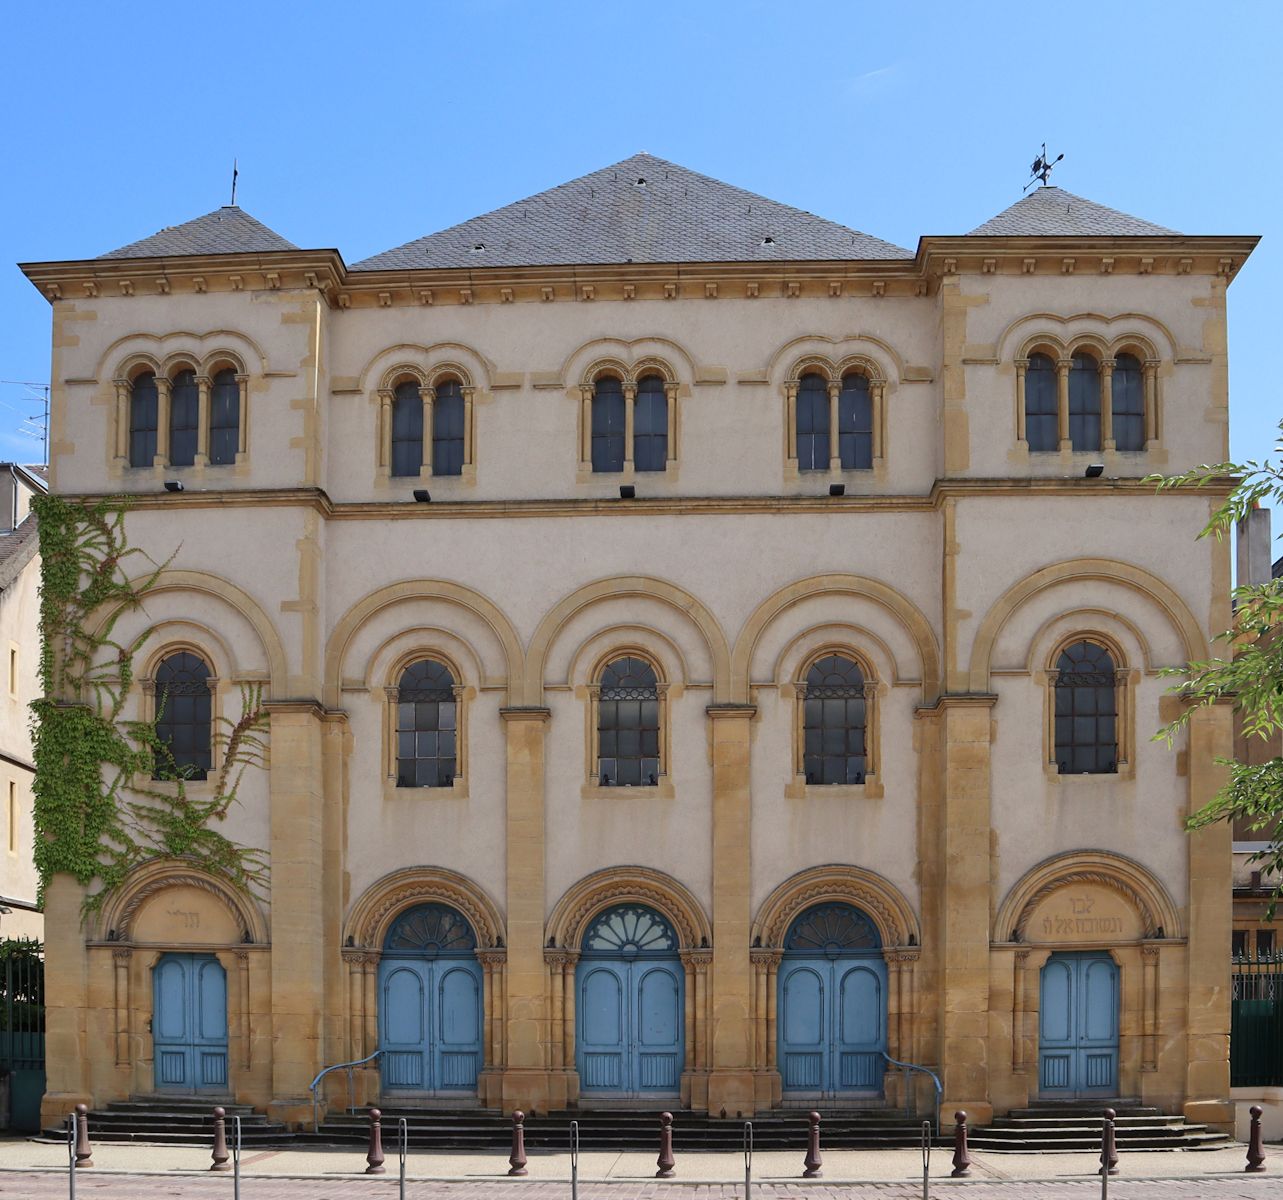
x: 748, y: 1160
x: 574, y: 1160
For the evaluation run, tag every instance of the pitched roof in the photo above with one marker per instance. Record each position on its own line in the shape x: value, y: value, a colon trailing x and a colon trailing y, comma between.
x: 226, y: 230
x: 641, y: 210
x: 1053, y: 212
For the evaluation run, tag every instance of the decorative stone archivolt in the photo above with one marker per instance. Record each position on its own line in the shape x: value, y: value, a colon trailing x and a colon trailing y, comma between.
x: 1121, y: 333
x: 876, y: 896
x: 629, y: 360
x: 876, y: 358
x: 429, y: 363
x: 135, y: 352
x: 1150, y: 912
x: 604, y: 889
x: 367, y: 923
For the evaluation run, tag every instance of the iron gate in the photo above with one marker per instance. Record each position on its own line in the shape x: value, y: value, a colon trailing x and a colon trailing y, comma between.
x: 1256, y: 1022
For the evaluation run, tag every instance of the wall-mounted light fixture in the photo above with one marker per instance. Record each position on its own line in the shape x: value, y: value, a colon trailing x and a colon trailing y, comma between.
x: 423, y: 496
x: 173, y: 485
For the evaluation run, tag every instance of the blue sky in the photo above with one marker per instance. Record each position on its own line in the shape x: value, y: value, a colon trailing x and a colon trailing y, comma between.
x: 362, y: 126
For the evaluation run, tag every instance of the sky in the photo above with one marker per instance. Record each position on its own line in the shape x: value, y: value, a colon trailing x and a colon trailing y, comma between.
x: 365, y: 125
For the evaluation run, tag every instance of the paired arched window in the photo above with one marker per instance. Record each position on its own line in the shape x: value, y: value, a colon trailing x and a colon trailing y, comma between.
x: 1108, y: 404
x: 1128, y: 403
x: 609, y: 418
x: 448, y: 427
x: 184, y: 717
x: 855, y: 423
x: 407, y: 429
x: 144, y: 413
x: 628, y: 724
x: 628, y: 424
x: 182, y: 420
x: 1086, y: 710
x: 426, y: 726
x: 445, y: 406
x: 835, y: 722
x: 834, y: 422
x: 812, y: 423
x: 650, y: 425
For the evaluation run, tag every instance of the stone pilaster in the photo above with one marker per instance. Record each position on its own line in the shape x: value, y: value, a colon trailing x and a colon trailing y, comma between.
x: 68, y: 1076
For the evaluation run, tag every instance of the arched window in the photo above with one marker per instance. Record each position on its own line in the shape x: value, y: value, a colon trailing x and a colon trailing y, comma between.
x: 184, y: 419
x: 430, y: 930
x: 224, y: 418
x: 144, y: 406
x: 812, y: 423
x: 855, y: 423
x: 1128, y: 401
x: 1086, y: 711
x: 608, y: 424
x: 832, y: 929
x: 835, y: 722
x: 628, y: 724
x: 650, y: 425
x: 407, y: 429
x: 184, y: 715
x: 426, y: 726
x: 447, y: 429
x: 1041, y: 403
x: 1084, y: 403
x: 627, y: 931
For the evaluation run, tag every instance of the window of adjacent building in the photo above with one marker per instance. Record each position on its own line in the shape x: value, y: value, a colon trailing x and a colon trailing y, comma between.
x: 13, y: 671
x: 144, y: 408
x: 13, y: 817
x: 628, y: 724
x: 650, y: 425
x: 812, y: 423
x: 1264, y: 943
x: 608, y: 424
x: 1086, y: 710
x: 1128, y: 403
x: 855, y: 423
x: 1238, y: 943
x: 426, y: 726
x: 184, y: 717
x: 1084, y: 402
x: 835, y: 722
x: 447, y: 429
x: 407, y: 429
x: 224, y: 418
x: 1041, y: 403
x: 184, y: 418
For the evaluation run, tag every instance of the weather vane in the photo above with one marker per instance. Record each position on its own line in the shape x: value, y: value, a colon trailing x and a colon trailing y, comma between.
x: 1041, y: 170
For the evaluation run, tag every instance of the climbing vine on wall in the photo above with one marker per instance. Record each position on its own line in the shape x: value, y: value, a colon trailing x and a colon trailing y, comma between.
x: 107, y: 797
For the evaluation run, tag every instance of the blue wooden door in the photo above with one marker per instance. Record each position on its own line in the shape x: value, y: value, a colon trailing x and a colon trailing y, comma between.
x: 189, y: 1023
x: 1078, y: 1026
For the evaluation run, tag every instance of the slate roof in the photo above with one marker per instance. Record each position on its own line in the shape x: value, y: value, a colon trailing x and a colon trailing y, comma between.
x: 226, y: 230
x: 1054, y: 212
x: 641, y: 210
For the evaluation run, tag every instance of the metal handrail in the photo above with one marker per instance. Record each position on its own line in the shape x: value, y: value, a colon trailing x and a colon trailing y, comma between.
x: 351, y: 1090
x: 908, y: 1066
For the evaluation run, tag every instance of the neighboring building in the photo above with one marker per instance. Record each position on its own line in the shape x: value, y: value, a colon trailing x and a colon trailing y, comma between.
x: 702, y: 656
x: 20, y: 650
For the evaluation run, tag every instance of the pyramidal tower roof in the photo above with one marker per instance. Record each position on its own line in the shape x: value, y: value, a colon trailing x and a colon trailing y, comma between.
x: 641, y: 210
x: 1053, y: 212
x: 226, y: 230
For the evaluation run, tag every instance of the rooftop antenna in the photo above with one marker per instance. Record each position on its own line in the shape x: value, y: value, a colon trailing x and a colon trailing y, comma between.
x: 1041, y: 170
x: 235, y: 172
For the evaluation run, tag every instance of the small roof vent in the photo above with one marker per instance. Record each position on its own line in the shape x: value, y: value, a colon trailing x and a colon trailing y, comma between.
x: 640, y: 182
x: 768, y: 240
x: 478, y: 247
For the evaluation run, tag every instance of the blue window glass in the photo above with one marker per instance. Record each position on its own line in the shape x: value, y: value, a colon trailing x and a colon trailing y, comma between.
x: 184, y: 418
x: 224, y: 418
x: 650, y: 425
x: 1084, y: 403
x: 426, y: 726
x: 407, y: 429
x: 1086, y: 711
x: 184, y: 713
x: 1128, y: 402
x: 143, y: 409
x: 855, y: 424
x: 628, y: 724
x: 812, y: 423
x: 447, y: 429
x: 834, y: 722
x: 608, y: 424
x: 1041, y: 403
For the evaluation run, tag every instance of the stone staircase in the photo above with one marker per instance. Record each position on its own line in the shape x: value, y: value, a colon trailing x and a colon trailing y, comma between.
x: 175, y: 1122
x: 1069, y: 1126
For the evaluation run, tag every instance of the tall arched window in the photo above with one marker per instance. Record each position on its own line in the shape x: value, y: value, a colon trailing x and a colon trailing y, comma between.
x: 1041, y: 404
x: 184, y: 715
x: 447, y: 428
x: 1084, y: 403
x: 224, y: 418
x: 144, y: 407
x: 812, y: 423
x: 835, y: 722
x: 1086, y: 712
x: 650, y: 425
x: 426, y: 726
x: 1128, y: 403
x: 608, y: 424
x: 407, y: 429
x: 855, y: 423
x: 184, y: 418
x: 628, y: 724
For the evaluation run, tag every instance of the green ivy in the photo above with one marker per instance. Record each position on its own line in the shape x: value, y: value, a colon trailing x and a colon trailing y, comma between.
x: 98, y: 811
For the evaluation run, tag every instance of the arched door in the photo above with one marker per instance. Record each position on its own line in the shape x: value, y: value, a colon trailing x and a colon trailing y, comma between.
x: 1078, y: 1026
x: 629, y: 985
x: 189, y: 1023
x: 430, y: 1004
x: 832, y: 1005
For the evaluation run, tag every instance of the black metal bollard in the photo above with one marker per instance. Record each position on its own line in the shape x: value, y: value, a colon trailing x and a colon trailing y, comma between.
x: 374, y: 1153
x: 84, y: 1153
x: 220, y: 1141
x: 961, y: 1154
x: 813, y: 1161
x: 1255, y: 1144
x: 665, y: 1161
x: 1108, y: 1146
x: 517, y: 1159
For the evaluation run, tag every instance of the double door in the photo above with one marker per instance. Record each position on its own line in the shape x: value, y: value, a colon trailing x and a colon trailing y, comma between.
x: 629, y: 1018
x: 430, y: 1016
x: 832, y: 1026
x: 1078, y: 1026
x: 189, y: 1024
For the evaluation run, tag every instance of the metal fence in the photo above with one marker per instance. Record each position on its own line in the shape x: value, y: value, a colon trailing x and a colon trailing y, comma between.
x: 1256, y: 1021
x: 22, y: 1032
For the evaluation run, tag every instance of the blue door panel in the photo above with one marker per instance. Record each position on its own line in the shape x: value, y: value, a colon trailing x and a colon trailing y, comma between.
x: 659, y: 1027
x: 832, y: 1024
x: 630, y: 1025
x: 430, y: 1014
x: 189, y: 1023
x: 1078, y: 1026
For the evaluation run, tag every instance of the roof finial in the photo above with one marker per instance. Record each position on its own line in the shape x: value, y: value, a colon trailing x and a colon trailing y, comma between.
x: 1041, y: 170
x: 234, y: 174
